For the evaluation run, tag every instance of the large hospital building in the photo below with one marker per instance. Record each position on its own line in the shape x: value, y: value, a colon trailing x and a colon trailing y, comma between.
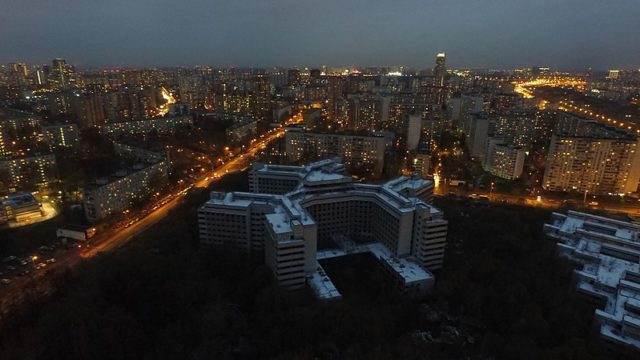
x: 293, y: 211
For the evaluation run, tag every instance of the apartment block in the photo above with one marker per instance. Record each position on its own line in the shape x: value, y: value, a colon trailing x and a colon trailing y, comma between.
x: 587, y: 156
x: 318, y: 203
x: 365, y: 152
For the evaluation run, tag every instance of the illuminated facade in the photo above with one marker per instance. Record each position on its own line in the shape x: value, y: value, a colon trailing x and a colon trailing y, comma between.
x: 19, y: 207
x: 162, y: 125
x: 440, y: 71
x: 515, y: 126
x: 29, y: 173
x: 19, y: 131
x: 504, y: 160
x: 62, y: 136
x: 587, y: 156
x: 356, y: 151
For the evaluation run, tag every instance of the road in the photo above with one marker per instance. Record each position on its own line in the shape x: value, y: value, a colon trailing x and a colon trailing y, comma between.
x: 33, y: 284
x: 546, y: 200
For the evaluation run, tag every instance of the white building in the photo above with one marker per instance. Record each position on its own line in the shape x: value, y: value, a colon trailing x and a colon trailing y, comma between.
x: 609, y: 251
x: 504, y: 160
x: 281, y: 179
x: 325, y: 206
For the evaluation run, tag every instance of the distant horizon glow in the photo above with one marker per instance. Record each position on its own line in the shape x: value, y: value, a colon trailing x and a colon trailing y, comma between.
x: 491, y: 34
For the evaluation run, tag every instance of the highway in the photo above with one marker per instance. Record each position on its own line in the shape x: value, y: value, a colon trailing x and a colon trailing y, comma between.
x: 35, y: 284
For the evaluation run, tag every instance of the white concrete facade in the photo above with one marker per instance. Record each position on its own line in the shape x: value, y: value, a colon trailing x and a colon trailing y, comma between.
x: 323, y: 205
x: 609, y: 251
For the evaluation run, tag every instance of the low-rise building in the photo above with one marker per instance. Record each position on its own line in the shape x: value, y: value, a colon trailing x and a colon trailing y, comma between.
x: 19, y: 207
x: 242, y: 128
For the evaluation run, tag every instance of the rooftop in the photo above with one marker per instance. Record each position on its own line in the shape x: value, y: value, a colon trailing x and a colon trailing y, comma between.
x: 609, y: 252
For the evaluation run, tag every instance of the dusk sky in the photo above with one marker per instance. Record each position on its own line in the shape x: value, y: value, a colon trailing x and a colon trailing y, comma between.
x: 566, y: 34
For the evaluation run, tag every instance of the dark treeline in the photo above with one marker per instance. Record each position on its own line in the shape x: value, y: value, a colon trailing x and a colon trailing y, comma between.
x: 163, y: 297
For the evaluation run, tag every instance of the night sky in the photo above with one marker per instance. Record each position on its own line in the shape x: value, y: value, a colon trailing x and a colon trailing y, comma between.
x: 566, y: 34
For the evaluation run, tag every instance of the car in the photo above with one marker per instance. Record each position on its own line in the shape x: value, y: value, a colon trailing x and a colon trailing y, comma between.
x: 9, y: 259
x: 51, y: 261
x: 5, y: 281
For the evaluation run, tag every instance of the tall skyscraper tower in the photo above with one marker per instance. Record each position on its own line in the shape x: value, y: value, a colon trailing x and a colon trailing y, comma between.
x: 439, y: 73
x: 440, y: 70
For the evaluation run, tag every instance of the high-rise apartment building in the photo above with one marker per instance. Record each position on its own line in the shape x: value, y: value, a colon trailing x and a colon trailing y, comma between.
x: 361, y: 152
x: 62, y: 75
x: 439, y: 73
x: 587, y: 156
x: 414, y: 130
x: 476, y: 132
x: 28, y: 173
x: 504, y: 159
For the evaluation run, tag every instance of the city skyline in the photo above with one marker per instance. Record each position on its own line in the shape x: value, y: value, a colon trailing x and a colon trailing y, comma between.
x: 570, y: 35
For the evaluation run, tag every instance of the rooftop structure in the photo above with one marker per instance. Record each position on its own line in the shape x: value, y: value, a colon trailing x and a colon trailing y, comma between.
x: 609, y: 251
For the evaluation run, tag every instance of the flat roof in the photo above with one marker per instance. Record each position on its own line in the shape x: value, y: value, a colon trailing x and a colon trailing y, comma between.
x: 322, y: 285
x: 410, y: 271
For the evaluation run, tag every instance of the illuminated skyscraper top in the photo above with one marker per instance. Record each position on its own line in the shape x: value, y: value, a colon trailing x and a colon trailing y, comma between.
x: 440, y: 70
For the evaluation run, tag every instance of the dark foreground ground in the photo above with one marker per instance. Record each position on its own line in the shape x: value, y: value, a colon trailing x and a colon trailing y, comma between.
x: 503, y: 294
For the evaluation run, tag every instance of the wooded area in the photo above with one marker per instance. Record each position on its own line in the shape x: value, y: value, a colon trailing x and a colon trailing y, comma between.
x: 503, y: 294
